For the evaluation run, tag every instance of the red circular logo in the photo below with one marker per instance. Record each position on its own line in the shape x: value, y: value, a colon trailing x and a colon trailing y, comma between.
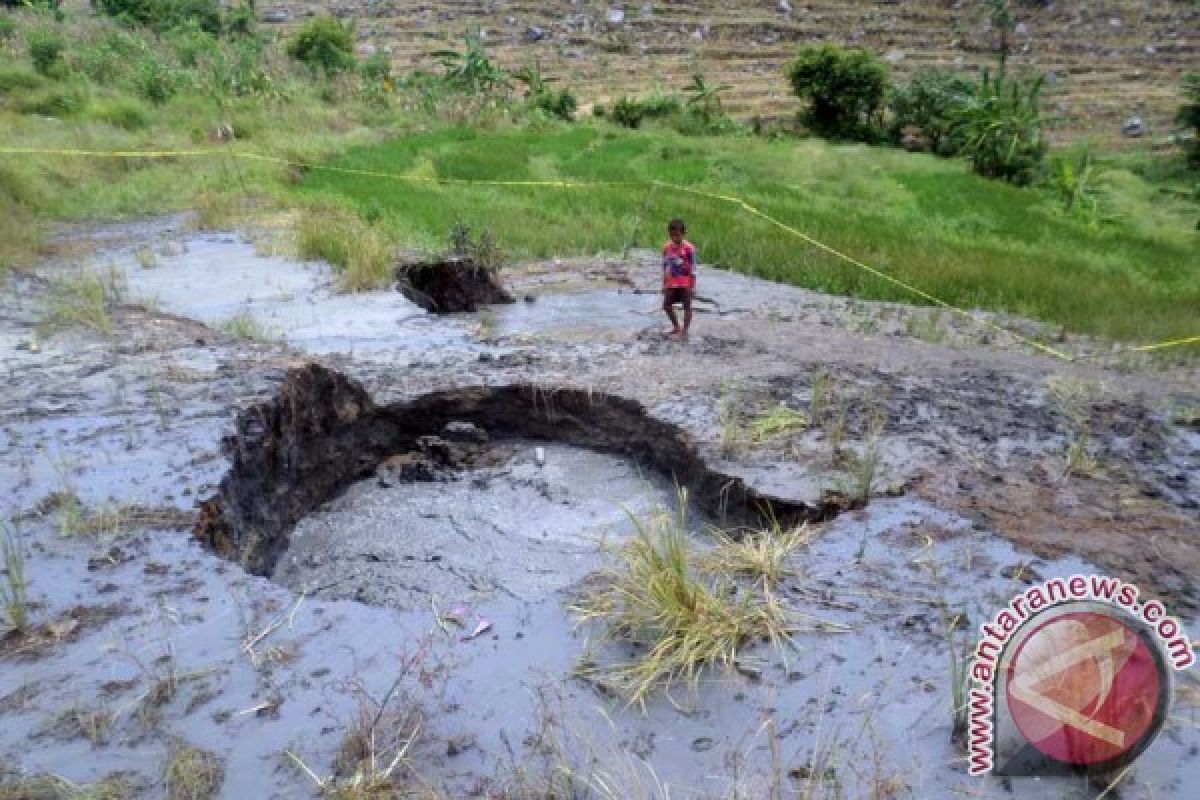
x: 1086, y: 688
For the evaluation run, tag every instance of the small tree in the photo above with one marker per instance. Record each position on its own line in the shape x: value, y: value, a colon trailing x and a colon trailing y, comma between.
x: 845, y: 89
x: 1189, y: 117
x: 46, y: 51
x: 323, y: 44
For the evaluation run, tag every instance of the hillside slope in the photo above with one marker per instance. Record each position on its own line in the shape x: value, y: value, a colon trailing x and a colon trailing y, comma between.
x: 1106, y: 61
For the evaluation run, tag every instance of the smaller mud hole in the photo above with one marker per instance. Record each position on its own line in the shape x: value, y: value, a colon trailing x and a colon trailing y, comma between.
x: 395, y: 486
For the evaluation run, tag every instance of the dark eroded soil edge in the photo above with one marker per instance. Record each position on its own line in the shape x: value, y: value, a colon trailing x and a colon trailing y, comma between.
x: 322, y: 432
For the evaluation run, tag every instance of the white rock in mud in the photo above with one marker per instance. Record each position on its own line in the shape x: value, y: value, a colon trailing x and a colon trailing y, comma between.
x: 539, y: 456
x: 616, y: 16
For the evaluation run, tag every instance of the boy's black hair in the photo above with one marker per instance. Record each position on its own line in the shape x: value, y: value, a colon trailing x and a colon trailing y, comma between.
x: 677, y: 224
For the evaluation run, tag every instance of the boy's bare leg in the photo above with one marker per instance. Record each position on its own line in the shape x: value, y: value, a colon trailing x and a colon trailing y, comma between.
x: 670, y: 309
x: 687, y: 312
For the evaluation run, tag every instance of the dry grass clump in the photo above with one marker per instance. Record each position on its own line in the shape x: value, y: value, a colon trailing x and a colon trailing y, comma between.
x: 1075, y: 399
x: 764, y: 556
x: 778, y: 421
x: 362, y: 254
x: 193, y: 774
x: 654, y: 600
x: 55, y: 787
x: 246, y: 327
x: 81, y: 301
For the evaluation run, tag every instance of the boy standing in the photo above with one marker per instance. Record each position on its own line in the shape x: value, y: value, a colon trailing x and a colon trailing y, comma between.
x: 679, y: 277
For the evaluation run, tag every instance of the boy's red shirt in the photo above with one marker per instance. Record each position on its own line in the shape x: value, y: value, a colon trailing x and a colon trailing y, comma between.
x: 679, y: 265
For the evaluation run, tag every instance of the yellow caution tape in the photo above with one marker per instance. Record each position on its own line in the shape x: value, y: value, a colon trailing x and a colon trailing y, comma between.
x: 560, y: 184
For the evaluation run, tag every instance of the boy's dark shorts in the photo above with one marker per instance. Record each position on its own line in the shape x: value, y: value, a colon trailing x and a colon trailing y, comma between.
x: 679, y: 295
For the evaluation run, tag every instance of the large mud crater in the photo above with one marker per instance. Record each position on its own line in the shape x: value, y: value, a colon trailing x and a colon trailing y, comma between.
x: 546, y: 470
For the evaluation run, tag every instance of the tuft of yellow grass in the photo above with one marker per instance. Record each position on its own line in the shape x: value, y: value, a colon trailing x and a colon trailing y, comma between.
x: 764, y: 556
x: 193, y: 774
x: 653, y: 599
x: 362, y: 253
x: 775, y: 422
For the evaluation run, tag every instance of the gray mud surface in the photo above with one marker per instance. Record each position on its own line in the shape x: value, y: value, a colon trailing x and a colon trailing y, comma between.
x: 398, y: 538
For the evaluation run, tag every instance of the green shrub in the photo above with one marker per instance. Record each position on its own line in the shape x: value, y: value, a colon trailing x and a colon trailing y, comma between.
x: 696, y: 122
x: 156, y: 81
x: 561, y: 103
x: 240, y: 73
x: 192, y: 46
x: 46, y: 51
x: 929, y: 103
x: 844, y: 88
x: 628, y: 112
x: 661, y: 104
x: 1001, y: 128
x: 241, y: 21
x: 1189, y: 117
x: 54, y: 101
x: 165, y: 15
x: 323, y: 44
x: 631, y: 112
x: 15, y: 79
x: 123, y: 113
x: 7, y: 27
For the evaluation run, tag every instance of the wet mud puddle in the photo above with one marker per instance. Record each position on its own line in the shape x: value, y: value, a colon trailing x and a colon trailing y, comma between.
x: 528, y: 522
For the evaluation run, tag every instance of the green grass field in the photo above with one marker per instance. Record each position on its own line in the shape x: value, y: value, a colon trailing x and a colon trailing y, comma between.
x: 927, y: 221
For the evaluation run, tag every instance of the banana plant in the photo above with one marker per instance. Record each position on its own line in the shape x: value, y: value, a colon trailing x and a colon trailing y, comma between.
x: 470, y: 70
x: 705, y: 97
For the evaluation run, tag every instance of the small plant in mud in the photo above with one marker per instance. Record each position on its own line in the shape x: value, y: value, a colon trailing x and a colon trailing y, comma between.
x: 145, y: 257
x: 56, y: 787
x: 866, y: 464
x: 372, y: 761
x: 654, y: 599
x: 76, y: 519
x: 959, y: 649
x: 926, y: 326
x: 82, y: 301
x: 482, y: 249
x: 1074, y: 399
x: 92, y: 724
x: 246, y: 327
x: 819, y: 395
x: 193, y: 774
x: 14, y: 588
x: 729, y: 420
x: 764, y: 556
x: 779, y: 420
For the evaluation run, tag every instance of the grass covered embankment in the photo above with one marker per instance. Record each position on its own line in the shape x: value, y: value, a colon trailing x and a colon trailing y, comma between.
x: 927, y: 221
